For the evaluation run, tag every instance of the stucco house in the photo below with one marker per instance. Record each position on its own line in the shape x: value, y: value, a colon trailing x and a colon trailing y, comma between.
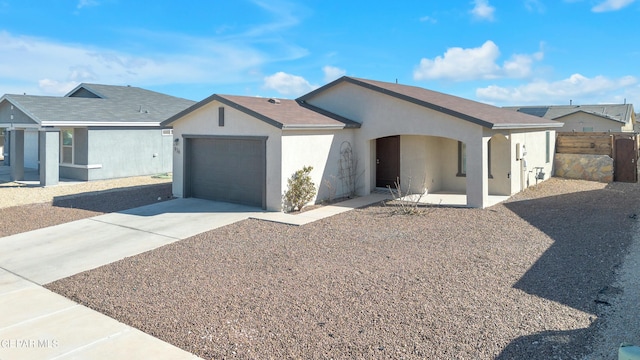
x: 586, y: 118
x: 359, y: 135
x: 94, y: 132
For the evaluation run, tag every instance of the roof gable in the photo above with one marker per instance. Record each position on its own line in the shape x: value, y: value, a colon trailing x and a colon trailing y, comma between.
x: 590, y: 113
x: 622, y: 113
x: 109, y: 106
x: 485, y: 115
x: 83, y: 92
x: 281, y: 113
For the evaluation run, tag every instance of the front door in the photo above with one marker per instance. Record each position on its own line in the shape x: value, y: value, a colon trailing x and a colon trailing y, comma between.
x: 387, y: 161
x: 625, y: 168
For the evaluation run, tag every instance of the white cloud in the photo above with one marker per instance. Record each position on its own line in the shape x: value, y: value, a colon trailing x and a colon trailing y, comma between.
x: 198, y: 61
x: 534, y: 6
x: 577, y: 87
x: 181, y: 60
x: 460, y: 64
x: 287, y: 84
x: 611, y: 5
x: 283, y: 13
x: 87, y: 3
x: 482, y: 10
x: 428, y: 19
x: 520, y: 66
x: 332, y: 73
x: 56, y: 87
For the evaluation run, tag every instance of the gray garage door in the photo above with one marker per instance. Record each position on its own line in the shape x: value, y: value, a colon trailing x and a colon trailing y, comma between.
x: 230, y: 169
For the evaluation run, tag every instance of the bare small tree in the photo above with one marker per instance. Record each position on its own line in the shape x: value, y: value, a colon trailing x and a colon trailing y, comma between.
x: 331, y: 187
x: 408, y: 202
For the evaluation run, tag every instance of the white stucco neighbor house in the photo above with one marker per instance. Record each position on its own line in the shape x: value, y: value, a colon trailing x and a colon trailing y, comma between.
x: 94, y: 132
x: 358, y: 135
x: 586, y: 118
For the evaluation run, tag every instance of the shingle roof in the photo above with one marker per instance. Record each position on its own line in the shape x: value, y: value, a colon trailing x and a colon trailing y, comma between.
x: 482, y: 114
x: 118, y: 106
x: 282, y: 113
x: 616, y: 112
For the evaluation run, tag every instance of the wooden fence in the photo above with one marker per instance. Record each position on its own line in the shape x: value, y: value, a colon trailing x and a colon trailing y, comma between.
x: 588, y: 143
x: 586, y: 154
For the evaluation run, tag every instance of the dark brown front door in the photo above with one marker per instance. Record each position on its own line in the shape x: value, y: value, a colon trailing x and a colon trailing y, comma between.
x: 387, y: 161
x: 625, y: 169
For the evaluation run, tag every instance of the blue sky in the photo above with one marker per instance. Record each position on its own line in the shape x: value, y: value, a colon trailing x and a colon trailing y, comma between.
x: 513, y: 52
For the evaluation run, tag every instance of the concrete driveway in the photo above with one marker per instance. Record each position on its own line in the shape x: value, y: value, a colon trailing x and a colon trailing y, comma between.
x: 36, y: 323
x: 53, y: 253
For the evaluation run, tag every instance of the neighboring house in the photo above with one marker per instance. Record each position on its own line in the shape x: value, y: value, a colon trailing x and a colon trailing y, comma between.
x: 358, y: 135
x: 1, y: 144
x: 94, y: 132
x: 586, y: 118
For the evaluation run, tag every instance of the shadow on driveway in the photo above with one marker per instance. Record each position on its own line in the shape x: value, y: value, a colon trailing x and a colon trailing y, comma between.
x: 108, y: 201
x: 579, y: 269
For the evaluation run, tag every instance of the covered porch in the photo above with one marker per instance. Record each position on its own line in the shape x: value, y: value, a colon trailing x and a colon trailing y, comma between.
x: 45, y: 167
x: 450, y: 172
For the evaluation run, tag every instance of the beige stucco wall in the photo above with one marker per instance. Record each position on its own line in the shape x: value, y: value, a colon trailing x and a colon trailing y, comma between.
x: 500, y: 169
x: 430, y: 162
x: 382, y: 115
x: 523, y: 172
x: 204, y: 121
x: 580, y: 120
x: 320, y: 149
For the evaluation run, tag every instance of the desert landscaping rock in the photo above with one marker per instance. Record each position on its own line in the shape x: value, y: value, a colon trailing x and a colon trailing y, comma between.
x: 17, y: 194
x: 29, y: 208
x: 525, y: 279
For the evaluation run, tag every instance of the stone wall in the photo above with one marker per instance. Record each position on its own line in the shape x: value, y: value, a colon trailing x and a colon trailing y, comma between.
x: 584, y: 167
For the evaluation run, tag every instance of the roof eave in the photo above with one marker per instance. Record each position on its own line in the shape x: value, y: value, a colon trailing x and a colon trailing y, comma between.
x: 314, y: 127
x: 11, y: 126
x: 410, y: 99
x: 100, y: 123
x: 223, y: 100
x: 527, y: 126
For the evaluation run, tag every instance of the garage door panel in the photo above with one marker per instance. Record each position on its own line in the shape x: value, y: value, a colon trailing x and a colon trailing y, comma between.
x: 231, y: 170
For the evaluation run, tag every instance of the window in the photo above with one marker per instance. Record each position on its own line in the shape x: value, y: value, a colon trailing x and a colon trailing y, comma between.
x: 167, y: 132
x: 66, y: 146
x: 462, y: 159
x: 548, y: 146
x: 587, y: 129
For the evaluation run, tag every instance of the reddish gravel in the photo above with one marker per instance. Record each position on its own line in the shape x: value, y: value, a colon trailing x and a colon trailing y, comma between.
x: 528, y: 279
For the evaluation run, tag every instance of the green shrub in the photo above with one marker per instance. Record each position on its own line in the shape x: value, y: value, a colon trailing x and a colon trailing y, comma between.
x: 301, y: 189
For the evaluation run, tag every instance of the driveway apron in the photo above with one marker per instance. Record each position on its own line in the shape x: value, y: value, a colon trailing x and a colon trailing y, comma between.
x: 36, y: 323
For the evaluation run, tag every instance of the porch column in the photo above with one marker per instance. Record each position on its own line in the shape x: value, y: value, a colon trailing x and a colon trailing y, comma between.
x: 477, y: 173
x: 16, y: 154
x: 49, y: 149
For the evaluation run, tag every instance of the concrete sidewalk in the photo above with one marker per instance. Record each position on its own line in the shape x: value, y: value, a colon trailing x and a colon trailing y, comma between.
x: 36, y: 323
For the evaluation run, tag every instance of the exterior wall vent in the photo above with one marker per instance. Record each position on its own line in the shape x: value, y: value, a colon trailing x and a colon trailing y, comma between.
x: 221, y: 116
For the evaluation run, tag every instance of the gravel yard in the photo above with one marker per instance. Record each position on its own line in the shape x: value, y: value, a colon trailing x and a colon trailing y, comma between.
x: 24, y: 208
x: 540, y: 277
